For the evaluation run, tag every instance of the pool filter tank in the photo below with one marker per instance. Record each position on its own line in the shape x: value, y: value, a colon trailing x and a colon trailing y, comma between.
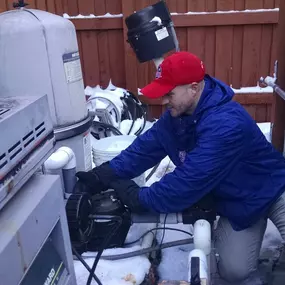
x: 39, y: 55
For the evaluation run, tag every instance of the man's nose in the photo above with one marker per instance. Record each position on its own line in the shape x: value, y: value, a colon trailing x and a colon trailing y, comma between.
x: 165, y: 100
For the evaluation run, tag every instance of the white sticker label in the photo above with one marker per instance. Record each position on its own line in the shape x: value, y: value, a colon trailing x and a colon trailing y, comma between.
x: 72, y: 67
x: 87, y: 152
x: 162, y: 34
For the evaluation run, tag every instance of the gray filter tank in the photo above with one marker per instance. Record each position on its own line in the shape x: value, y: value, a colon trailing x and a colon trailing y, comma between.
x: 39, y: 55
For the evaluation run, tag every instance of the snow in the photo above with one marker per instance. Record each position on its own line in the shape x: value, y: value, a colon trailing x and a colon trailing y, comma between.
x: 254, y: 89
x: 118, y: 272
x: 92, y: 16
x: 108, y: 15
x: 227, y: 12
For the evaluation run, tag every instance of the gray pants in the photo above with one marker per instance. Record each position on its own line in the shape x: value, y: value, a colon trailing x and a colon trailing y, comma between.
x: 239, y: 251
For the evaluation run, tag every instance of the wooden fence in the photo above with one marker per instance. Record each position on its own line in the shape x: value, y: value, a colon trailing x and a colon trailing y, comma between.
x: 237, y: 46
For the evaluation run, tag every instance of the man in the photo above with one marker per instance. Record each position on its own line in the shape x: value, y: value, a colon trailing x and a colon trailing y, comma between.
x: 217, y: 148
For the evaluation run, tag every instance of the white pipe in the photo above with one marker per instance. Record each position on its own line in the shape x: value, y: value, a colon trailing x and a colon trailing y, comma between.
x: 63, y: 158
x: 203, y: 265
x: 202, y: 236
x: 158, y: 61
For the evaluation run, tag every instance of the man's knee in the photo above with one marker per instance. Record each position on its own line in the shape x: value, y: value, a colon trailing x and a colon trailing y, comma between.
x: 233, y: 272
x: 238, y: 251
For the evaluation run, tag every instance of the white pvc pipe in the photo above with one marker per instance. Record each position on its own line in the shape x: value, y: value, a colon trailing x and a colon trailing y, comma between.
x: 63, y: 158
x: 203, y: 264
x: 158, y: 61
x: 202, y: 236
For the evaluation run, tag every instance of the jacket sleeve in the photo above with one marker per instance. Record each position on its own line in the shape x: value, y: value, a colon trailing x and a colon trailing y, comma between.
x: 219, y: 146
x: 145, y: 152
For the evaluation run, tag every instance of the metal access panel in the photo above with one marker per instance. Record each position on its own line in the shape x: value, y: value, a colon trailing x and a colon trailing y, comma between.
x: 27, y: 140
x: 34, y: 238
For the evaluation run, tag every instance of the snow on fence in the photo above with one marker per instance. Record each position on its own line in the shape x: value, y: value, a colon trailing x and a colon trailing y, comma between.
x: 235, y: 38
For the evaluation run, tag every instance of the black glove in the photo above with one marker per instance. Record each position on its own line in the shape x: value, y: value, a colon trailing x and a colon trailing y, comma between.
x: 128, y: 192
x: 95, y: 180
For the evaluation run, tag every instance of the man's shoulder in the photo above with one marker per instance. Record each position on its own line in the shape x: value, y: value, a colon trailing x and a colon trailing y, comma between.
x: 230, y: 116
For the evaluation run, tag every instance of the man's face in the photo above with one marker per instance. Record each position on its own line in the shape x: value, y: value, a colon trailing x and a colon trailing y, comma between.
x: 182, y: 99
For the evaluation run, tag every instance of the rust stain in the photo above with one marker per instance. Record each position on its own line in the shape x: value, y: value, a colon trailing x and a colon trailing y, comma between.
x: 10, y: 186
x: 24, y: 265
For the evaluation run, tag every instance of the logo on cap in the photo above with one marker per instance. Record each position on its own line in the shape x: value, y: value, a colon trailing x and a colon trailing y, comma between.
x: 158, y: 73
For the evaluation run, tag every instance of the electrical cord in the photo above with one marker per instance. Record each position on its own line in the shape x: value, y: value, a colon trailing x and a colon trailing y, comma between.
x: 79, y: 257
x: 106, y: 241
x: 155, y: 229
x: 163, y: 234
x: 144, y: 250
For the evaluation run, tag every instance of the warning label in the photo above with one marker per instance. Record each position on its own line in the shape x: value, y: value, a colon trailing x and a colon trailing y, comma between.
x: 72, y: 67
x: 162, y: 34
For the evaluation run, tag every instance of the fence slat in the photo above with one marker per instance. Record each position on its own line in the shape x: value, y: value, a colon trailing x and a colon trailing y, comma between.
x: 273, y: 56
x: 59, y: 7
x: 41, y: 5
x: 237, y: 49
x: 253, y: 4
x: 210, y: 41
x: 268, y: 4
x: 196, y: 36
x: 223, y: 60
x: 51, y: 6
x: 3, y: 6
x: 261, y: 113
x: 265, y: 50
x: 277, y: 3
x: 240, y: 5
x: 86, y: 7
x: 172, y: 5
x: 211, y: 5
x: 99, y: 7
x: 143, y: 68
x: 117, y: 59
x: 130, y: 58
x: 251, y: 55
x: 251, y: 109
x: 90, y: 57
x: 181, y: 6
x: 114, y: 6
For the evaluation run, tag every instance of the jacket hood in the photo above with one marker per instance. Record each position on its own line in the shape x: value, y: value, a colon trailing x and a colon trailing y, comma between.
x: 215, y: 93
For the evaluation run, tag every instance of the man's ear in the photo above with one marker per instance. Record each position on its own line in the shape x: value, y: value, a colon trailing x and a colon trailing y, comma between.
x: 194, y: 86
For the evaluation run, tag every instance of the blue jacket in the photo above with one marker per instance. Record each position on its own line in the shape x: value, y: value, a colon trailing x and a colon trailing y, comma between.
x: 218, y: 149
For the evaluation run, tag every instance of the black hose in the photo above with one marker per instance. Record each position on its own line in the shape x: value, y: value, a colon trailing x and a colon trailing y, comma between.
x: 133, y: 115
x: 144, y: 251
x: 105, y: 243
x: 152, y: 172
x: 144, y: 121
x: 106, y: 127
x: 155, y: 229
x: 79, y: 257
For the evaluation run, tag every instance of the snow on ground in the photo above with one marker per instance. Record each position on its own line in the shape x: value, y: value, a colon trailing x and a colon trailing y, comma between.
x: 131, y: 270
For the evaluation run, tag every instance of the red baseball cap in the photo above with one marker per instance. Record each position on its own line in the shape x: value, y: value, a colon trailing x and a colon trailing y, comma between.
x: 180, y: 68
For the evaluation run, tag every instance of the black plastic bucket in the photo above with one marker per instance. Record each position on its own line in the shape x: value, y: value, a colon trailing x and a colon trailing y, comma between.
x: 150, y: 39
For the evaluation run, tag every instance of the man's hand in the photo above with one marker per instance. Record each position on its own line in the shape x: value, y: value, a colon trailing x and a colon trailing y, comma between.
x: 128, y: 192
x: 95, y: 180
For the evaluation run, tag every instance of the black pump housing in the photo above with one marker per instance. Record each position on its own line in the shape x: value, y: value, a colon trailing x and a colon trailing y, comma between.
x: 148, y: 39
